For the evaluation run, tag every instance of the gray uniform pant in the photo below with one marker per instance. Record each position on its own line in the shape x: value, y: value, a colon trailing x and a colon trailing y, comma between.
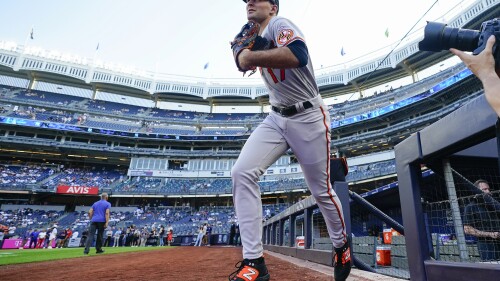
x: 307, y: 133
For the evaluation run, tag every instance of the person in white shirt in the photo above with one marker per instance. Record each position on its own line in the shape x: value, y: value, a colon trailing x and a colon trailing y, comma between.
x: 116, y: 239
x: 41, y: 239
x: 52, y: 236
x: 12, y: 230
x: 109, y: 234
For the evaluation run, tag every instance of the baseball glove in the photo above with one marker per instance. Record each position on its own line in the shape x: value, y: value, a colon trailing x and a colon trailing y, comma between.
x: 248, y: 38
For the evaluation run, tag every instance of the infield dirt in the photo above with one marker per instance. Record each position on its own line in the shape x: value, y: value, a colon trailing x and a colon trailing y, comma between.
x: 177, y: 264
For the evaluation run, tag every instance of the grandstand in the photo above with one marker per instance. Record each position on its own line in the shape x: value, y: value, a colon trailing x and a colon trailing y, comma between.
x: 112, y: 132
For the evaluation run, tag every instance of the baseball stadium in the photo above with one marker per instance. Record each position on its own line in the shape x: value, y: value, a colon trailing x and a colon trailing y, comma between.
x: 413, y: 160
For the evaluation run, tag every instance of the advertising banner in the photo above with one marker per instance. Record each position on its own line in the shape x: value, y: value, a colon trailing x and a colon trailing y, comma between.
x: 85, y: 190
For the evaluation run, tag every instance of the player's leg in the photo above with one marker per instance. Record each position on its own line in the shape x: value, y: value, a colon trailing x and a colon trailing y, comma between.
x: 263, y: 148
x: 309, y: 137
x: 312, y: 150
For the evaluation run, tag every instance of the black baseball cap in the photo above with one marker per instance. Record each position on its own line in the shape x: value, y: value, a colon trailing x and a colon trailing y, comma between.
x: 274, y: 2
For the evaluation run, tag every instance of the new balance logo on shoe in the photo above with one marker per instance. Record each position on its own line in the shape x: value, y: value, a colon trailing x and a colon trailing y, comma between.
x: 248, y: 273
x: 342, y: 262
x: 346, y: 257
x: 250, y: 270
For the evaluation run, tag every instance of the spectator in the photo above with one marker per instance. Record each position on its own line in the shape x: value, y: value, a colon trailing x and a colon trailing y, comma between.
x: 161, y: 235
x: 99, y: 218
x: 26, y: 237
x: 109, y: 234
x: 170, y: 237
x: 67, y: 234
x: 482, y: 220
x: 60, y: 238
x: 41, y: 239
x: 209, y: 234
x: 232, y: 233
x: 11, y: 231
x: 199, y: 237
x: 116, y: 237
x: 204, y: 239
x: 3, y: 230
x: 34, y: 238
x: 47, y: 235
x: 52, y: 236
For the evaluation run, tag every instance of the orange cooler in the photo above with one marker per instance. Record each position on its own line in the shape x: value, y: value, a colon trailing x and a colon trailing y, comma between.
x: 299, y: 242
x: 387, y: 235
x: 383, y: 255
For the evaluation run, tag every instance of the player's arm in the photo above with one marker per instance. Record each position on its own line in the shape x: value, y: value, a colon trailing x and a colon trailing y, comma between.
x: 91, y: 213
x: 291, y: 56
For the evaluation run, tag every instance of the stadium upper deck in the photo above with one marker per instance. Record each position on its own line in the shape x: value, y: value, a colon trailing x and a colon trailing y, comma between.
x: 406, y: 60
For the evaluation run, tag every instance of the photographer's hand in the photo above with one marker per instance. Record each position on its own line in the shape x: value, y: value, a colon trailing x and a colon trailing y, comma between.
x: 483, y: 66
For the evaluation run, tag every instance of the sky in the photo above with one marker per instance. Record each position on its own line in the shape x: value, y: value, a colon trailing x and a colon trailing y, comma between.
x: 182, y: 37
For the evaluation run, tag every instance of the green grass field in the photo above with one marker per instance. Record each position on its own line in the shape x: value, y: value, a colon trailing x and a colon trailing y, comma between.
x: 16, y: 256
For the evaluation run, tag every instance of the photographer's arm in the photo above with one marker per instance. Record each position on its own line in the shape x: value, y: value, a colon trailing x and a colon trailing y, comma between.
x: 483, y: 66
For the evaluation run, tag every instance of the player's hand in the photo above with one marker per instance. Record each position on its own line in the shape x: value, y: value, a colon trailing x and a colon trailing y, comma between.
x: 482, y: 65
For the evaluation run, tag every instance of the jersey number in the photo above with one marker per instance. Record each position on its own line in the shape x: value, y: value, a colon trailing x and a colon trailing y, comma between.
x: 275, y: 79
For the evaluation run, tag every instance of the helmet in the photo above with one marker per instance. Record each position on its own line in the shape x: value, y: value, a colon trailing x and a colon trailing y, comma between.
x: 274, y: 2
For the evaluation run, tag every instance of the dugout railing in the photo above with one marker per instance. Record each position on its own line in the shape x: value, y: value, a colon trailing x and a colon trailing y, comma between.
x: 436, y: 168
x: 459, y: 148
x: 300, y: 232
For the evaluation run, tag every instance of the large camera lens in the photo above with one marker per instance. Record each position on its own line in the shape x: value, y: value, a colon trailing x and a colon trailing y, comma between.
x: 437, y: 37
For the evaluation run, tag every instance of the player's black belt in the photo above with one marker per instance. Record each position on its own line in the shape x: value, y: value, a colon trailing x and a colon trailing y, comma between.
x: 291, y: 110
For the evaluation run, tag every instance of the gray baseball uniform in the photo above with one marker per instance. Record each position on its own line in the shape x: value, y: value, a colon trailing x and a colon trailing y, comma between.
x: 305, y: 129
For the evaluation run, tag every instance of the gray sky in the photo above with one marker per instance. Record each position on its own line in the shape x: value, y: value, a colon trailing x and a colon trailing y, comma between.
x: 180, y: 37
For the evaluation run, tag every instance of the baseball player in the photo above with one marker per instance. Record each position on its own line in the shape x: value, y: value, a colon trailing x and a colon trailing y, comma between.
x: 299, y: 120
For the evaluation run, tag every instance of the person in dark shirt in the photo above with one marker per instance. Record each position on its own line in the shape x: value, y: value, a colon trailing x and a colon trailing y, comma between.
x: 99, y: 218
x: 483, y: 221
x: 33, y: 238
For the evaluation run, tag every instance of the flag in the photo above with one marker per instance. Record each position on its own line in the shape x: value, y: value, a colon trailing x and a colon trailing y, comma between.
x: 97, y: 48
x: 342, y: 53
x: 387, y: 33
x: 206, y: 65
x: 31, y: 34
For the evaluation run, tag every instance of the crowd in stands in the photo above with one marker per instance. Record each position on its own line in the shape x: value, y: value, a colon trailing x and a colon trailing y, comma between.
x: 91, y: 177
x: 383, y: 98
x: 13, y: 176
x: 21, y: 176
x: 371, y: 170
x: 146, y: 226
x: 155, y: 120
x: 22, y: 219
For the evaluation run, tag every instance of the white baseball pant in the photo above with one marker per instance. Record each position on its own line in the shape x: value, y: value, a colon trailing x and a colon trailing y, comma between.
x: 307, y: 133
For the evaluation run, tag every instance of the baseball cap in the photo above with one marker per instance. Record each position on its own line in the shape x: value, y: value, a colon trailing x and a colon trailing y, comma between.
x: 274, y: 2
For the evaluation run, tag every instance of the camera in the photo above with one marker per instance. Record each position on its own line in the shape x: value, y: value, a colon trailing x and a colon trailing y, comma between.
x: 438, y: 36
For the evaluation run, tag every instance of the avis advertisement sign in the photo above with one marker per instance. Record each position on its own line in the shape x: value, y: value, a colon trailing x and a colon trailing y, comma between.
x: 77, y: 190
